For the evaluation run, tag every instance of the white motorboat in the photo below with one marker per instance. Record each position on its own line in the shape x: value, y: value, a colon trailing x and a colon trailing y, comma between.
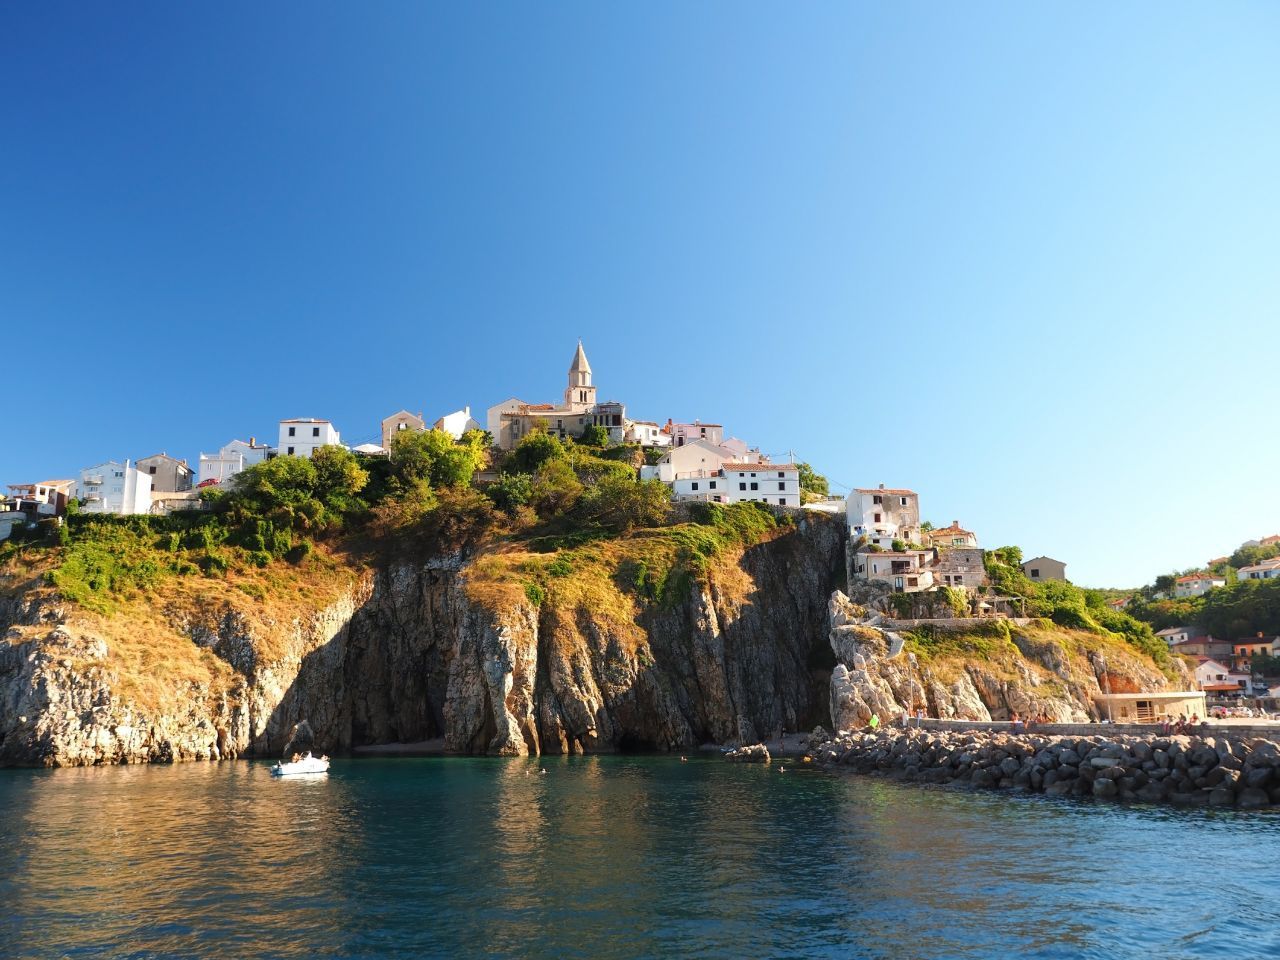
x: 306, y: 764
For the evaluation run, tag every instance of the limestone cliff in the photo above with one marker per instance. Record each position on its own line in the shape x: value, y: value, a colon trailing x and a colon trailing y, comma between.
x: 404, y: 652
x: 986, y: 671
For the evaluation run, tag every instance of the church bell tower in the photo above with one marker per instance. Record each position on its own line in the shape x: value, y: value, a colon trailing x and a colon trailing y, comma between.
x: 580, y: 395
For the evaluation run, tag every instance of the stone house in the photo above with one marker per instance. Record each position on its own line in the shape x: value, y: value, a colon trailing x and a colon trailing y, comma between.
x: 168, y: 474
x: 399, y: 422
x: 960, y: 567
x: 952, y: 536
x: 1045, y: 568
x: 513, y: 419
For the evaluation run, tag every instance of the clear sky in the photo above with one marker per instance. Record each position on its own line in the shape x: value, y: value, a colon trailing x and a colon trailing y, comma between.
x: 1022, y: 258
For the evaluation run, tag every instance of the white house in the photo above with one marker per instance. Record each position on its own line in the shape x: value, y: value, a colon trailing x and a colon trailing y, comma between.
x: 1172, y: 635
x: 693, y: 461
x: 1266, y: 570
x: 114, y: 487
x: 647, y: 433
x: 1215, y: 677
x: 777, y: 483
x: 682, y: 433
x: 457, y: 423
x: 231, y: 459
x: 883, y: 515
x: 1197, y: 584
x: 906, y: 571
x: 301, y: 437
x: 168, y: 474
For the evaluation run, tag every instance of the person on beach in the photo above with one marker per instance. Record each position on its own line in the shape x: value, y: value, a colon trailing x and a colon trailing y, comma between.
x: 919, y: 716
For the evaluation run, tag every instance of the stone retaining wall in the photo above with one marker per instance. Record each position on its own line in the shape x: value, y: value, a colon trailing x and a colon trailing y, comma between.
x: 952, y: 623
x: 1217, y: 771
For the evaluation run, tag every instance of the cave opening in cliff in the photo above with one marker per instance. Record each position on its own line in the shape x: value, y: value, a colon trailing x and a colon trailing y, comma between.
x: 630, y: 743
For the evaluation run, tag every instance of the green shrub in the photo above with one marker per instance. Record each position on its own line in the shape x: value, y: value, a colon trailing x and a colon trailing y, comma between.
x: 535, y: 594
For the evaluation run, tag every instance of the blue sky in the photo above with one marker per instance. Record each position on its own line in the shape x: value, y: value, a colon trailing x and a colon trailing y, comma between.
x: 1020, y: 258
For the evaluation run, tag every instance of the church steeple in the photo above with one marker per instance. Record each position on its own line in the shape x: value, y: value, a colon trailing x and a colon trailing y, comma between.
x: 581, y: 394
x: 580, y: 370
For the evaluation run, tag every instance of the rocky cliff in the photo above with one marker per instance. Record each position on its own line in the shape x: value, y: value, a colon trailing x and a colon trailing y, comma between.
x: 405, y: 652
x: 988, y: 670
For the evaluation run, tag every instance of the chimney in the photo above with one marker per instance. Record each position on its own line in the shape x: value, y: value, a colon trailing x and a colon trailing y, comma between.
x: 253, y: 441
x: 955, y: 523
x: 882, y: 486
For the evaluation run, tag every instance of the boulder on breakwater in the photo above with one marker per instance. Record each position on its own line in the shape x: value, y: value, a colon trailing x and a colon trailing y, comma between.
x: 1183, y: 770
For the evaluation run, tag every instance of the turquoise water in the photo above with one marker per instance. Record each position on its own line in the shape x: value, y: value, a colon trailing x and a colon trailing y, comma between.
x: 608, y: 857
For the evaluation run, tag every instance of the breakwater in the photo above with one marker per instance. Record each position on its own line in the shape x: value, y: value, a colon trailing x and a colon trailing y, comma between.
x: 1216, y: 771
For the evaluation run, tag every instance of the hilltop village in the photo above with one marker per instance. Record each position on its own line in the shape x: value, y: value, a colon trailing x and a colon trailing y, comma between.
x: 696, y: 462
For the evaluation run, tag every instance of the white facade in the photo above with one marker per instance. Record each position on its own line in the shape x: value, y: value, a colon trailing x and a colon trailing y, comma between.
x: 1172, y: 635
x: 884, y: 515
x: 906, y: 571
x: 1197, y: 584
x: 1266, y: 570
x: 776, y: 483
x: 1212, y: 674
x: 231, y: 459
x: 457, y: 423
x: 693, y: 461
x: 682, y: 433
x: 647, y: 433
x: 303, y: 436
x: 114, y: 487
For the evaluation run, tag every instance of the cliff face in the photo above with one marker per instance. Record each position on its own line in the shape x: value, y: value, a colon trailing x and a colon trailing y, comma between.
x: 1034, y: 669
x: 408, y: 653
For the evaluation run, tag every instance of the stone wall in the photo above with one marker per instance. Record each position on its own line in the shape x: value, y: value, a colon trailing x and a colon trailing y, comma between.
x: 952, y: 623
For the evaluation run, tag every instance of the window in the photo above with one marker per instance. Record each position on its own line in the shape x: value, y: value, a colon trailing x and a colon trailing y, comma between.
x: 291, y: 429
x: 315, y: 431
x: 877, y: 518
x: 875, y: 500
x: 782, y: 500
x: 290, y: 451
x: 1035, y: 572
x: 151, y: 470
x: 711, y: 485
x: 903, y: 500
x: 897, y: 583
x: 913, y: 581
x: 742, y: 486
x: 959, y: 578
x: 753, y: 474
x: 755, y: 486
x: 782, y: 485
x: 694, y: 485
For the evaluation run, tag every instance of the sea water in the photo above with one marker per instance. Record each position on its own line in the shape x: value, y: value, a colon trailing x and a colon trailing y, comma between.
x: 611, y: 857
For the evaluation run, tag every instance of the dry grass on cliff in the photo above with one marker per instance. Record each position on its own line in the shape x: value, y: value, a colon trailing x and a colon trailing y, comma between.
x: 614, y: 580
x: 946, y: 653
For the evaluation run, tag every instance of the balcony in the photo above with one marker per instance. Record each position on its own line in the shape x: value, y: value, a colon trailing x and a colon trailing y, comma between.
x: 93, y: 481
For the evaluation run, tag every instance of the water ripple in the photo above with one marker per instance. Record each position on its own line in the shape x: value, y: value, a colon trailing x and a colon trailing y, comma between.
x: 611, y: 858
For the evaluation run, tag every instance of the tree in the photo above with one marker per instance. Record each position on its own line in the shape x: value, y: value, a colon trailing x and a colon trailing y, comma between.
x: 339, y: 477
x: 511, y: 491
x: 813, y: 486
x: 622, y: 504
x: 432, y: 455
x: 555, y: 488
x: 594, y: 435
x: 533, y: 451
